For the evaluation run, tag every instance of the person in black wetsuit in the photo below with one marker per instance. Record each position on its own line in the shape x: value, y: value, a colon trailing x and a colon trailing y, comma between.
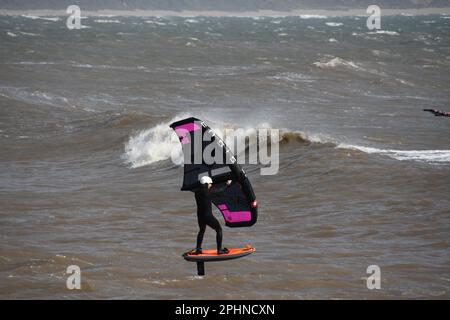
x: 205, y: 216
x: 438, y: 113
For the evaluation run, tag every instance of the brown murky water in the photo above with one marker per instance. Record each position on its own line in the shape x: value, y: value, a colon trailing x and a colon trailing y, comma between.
x: 86, y: 177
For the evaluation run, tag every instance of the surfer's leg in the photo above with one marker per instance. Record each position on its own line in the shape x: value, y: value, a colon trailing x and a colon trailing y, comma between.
x: 201, y: 232
x: 214, y: 223
x: 219, y: 238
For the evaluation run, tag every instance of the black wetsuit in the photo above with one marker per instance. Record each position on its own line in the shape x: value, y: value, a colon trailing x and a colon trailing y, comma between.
x: 205, y: 216
x: 438, y: 113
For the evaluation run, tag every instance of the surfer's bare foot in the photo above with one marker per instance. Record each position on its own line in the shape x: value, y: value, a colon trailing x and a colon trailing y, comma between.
x: 197, y: 251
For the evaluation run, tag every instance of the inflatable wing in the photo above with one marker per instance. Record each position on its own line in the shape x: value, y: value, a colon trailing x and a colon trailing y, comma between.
x: 236, y: 202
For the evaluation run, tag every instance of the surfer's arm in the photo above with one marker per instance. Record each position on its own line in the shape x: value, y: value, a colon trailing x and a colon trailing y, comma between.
x: 200, y: 189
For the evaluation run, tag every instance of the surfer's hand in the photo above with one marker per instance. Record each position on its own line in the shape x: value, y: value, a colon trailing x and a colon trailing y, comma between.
x: 229, y: 182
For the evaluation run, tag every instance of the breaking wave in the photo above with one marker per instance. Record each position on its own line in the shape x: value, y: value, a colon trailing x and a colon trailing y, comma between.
x: 157, y: 144
x: 160, y: 143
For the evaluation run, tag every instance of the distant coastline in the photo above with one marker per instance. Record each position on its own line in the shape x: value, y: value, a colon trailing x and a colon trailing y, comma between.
x: 268, y: 13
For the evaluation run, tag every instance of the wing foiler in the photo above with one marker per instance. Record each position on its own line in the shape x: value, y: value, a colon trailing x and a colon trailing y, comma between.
x: 236, y: 202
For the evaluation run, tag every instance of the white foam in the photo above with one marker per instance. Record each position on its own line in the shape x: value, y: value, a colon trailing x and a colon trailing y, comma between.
x: 34, y: 63
x: 334, y: 24
x: 407, y: 83
x: 30, y: 17
x: 292, y: 76
x: 429, y: 156
x: 106, y: 67
x: 83, y: 65
x: 312, y: 16
x: 30, y: 34
x: 337, y: 62
x: 152, y: 145
x: 380, y: 53
x: 155, y: 22
x: 11, y: 34
x: 107, y: 21
x: 54, y: 19
x: 389, y: 33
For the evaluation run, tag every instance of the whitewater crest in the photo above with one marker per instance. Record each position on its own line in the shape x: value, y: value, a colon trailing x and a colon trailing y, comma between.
x: 53, y: 19
x: 427, y: 156
x: 152, y: 145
